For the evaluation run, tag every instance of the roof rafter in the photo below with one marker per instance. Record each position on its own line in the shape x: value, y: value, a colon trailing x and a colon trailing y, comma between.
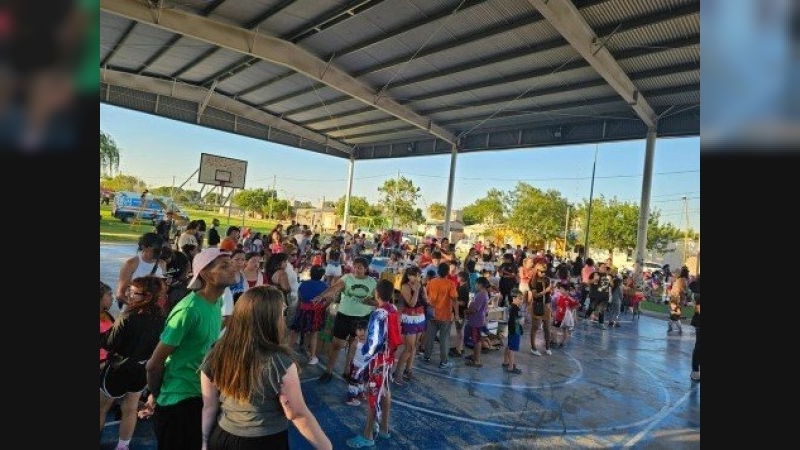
x: 271, y: 49
x: 569, y: 22
x: 204, y: 98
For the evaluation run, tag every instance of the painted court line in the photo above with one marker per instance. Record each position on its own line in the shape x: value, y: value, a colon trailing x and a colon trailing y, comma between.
x: 660, y: 416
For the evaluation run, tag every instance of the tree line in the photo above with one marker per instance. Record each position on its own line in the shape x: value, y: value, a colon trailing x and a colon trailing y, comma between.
x: 534, y: 214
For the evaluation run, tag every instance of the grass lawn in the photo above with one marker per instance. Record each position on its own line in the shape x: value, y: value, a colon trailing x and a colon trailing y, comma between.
x: 114, y: 230
x: 686, y: 311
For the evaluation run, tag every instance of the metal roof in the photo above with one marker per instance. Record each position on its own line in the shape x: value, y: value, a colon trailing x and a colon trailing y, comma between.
x: 394, y: 78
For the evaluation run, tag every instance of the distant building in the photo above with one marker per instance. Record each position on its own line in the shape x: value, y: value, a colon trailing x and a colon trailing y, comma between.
x: 318, y: 219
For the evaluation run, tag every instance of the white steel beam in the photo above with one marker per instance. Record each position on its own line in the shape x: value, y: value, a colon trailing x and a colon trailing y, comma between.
x: 272, y: 49
x: 214, y: 99
x: 568, y: 21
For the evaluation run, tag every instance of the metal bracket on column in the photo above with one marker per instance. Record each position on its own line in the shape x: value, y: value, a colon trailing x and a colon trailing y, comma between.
x: 205, y: 100
x: 635, y: 98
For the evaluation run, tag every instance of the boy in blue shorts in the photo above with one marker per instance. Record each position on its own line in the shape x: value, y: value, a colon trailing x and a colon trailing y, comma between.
x: 515, y: 322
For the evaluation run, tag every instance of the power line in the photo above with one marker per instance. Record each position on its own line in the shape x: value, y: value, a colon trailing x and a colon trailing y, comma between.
x: 550, y: 179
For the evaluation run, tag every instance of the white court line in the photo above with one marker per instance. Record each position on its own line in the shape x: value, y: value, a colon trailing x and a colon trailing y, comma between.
x: 664, y: 413
x: 419, y: 366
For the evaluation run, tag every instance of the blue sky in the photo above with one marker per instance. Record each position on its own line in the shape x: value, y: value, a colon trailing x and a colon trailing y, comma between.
x: 158, y: 150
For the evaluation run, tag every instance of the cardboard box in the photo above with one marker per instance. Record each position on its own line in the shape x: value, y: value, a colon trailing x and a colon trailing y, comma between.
x: 496, y: 314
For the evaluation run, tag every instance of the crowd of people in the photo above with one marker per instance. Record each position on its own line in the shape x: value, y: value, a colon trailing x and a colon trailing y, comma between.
x: 212, y: 327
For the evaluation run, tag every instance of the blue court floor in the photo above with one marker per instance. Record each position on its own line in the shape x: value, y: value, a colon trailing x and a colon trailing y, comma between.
x: 626, y: 387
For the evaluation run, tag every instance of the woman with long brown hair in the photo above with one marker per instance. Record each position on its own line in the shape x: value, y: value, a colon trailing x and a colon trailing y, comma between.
x: 250, y: 383
x: 541, y: 312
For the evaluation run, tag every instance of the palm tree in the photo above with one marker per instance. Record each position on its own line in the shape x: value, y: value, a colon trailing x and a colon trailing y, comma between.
x: 109, y: 154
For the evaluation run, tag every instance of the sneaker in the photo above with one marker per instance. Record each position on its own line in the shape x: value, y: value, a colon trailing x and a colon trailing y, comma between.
x: 515, y: 370
x: 536, y: 352
x: 695, y: 376
x: 446, y: 365
x: 313, y: 361
x: 360, y: 442
x: 325, y: 377
x: 353, y: 402
x: 549, y: 353
x: 505, y: 365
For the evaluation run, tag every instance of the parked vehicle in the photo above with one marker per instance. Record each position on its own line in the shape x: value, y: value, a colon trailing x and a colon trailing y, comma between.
x: 128, y: 205
x: 168, y: 204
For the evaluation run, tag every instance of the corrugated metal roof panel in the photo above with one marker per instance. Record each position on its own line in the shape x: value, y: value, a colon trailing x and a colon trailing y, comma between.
x: 299, y: 16
x: 111, y: 30
x: 211, y: 65
x: 241, y: 11
x: 524, y: 103
x: 371, y: 23
x: 511, y: 89
x: 618, y: 11
x: 669, y: 58
x: 257, y: 73
x: 182, y: 52
x: 142, y: 42
x: 343, y: 126
x: 659, y: 32
x: 677, y: 79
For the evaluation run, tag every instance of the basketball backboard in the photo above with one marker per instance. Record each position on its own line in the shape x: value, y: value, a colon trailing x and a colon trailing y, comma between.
x: 221, y: 171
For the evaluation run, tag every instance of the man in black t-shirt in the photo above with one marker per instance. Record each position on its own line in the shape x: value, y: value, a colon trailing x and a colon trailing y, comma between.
x: 213, y: 234
x: 164, y: 227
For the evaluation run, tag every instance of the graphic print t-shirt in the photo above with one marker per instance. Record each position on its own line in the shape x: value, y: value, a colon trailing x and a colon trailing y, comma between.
x: 355, y: 291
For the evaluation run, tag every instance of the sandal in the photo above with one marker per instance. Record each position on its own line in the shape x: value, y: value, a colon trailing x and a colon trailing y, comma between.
x: 472, y: 363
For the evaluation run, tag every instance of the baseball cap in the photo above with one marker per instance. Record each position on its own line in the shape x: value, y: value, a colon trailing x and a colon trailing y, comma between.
x: 201, y: 261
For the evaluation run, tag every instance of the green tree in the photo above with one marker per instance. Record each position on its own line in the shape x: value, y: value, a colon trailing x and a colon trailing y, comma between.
x: 436, y: 211
x: 659, y: 235
x: 305, y: 205
x: 491, y: 209
x: 535, y: 214
x: 398, y: 197
x: 613, y: 224
x: 254, y: 200
x: 282, y: 209
x: 211, y: 198
x: 109, y: 155
x: 123, y: 183
x: 359, y: 207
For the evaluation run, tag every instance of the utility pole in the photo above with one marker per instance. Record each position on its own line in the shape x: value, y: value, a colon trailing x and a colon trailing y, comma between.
x: 172, y: 190
x: 685, y: 228
x: 274, y: 194
x: 394, y: 200
x: 566, y: 233
x: 589, y: 210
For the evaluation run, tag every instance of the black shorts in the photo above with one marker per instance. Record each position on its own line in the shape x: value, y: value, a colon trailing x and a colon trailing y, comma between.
x: 130, y: 376
x: 344, y: 326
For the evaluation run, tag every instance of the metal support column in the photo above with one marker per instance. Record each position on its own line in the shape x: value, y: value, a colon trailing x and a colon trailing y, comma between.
x: 644, y: 204
x: 450, y: 183
x: 349, y: 191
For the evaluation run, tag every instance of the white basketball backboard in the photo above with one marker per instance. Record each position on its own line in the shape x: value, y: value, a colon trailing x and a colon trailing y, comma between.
x: 219, y: 170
